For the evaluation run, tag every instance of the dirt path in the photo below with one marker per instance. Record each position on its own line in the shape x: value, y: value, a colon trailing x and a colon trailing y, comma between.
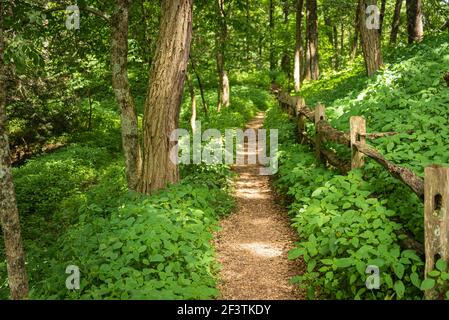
x: 253, y: 243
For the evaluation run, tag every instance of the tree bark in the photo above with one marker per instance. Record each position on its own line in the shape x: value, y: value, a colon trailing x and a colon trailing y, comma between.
x: 192, y: 103
x: 223, y: 81
x: 396, y: 22
x: 372, y: 51
x: 285, y: 62
x: 166, y: 84
x: 414, y: 21
x: 120, y: 84
x: 9, y: 215
x: 271, y: 26
x: 298, y: 45
x: 312, y: 39
x: 355, y: 41
x: 200, y: 85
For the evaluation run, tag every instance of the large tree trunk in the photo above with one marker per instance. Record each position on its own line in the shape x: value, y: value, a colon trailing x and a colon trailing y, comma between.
x: 298, y: 45
x: 9, y: 215
x: 372, y: 51
x: 415, y: 22
x: 222, y: 36
x: 312, y: 39
x: 396, y: 22
x: 166, y: 84
x: 120, y: 83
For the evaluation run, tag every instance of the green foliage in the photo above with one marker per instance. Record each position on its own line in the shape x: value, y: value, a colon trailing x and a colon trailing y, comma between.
x: 154, y: 247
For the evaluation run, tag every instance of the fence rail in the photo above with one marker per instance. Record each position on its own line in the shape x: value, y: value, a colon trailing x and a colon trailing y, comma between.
x: 433, y: 190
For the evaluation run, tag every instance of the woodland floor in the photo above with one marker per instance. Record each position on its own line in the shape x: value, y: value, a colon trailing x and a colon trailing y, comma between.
x: 254, y: 240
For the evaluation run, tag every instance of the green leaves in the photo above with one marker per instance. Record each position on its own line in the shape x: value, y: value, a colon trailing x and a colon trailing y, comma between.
x: 399, y: 270
x: 399, y: 288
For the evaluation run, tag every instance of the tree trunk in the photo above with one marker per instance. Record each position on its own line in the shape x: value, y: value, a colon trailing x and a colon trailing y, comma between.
x: 200, y: 85
x: 223, y: 81
x: 271, y: 26
x: 415, y: 22
x: 9, y: 215
x: 396, y: 22
x: 166, y: 84
x: 298, y: 45
x: 192, y: 102
x: 372, y: 51
x: 247, y: 29
x: 285, y: 62
x: 312, y: 38
x: 120, y: 84
x: 355, y: 41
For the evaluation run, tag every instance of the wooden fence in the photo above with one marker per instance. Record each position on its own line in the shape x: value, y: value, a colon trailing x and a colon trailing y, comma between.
x: 433, y: 190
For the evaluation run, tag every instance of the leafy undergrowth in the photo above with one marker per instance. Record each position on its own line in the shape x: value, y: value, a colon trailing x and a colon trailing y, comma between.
x: 76, y: 210
x: 344, y: 227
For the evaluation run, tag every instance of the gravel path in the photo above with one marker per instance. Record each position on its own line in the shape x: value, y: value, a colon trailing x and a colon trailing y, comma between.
x: 253, y: 243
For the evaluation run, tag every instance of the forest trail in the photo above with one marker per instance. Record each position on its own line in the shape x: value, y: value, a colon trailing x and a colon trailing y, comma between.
x: 253, y: 243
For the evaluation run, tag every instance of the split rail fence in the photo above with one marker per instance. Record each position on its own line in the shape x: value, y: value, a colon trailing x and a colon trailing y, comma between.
x: 433, y: 190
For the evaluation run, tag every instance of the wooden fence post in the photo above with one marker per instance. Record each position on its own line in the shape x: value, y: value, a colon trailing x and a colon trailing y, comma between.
x: 320, y: 114
x: 358, y: 134
x: 301, y: 119
x: 436, y: 220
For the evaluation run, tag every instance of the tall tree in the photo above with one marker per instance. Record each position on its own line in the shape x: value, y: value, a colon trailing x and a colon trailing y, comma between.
x: 9, y: 215
x: 371, y: 47
x: 396, y: 22
x: 298, y: 45
x: 120, y: 83
x: 166, y: 84
x: 222, y: 36
x: 312, y: 71
x: 414, y: 21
